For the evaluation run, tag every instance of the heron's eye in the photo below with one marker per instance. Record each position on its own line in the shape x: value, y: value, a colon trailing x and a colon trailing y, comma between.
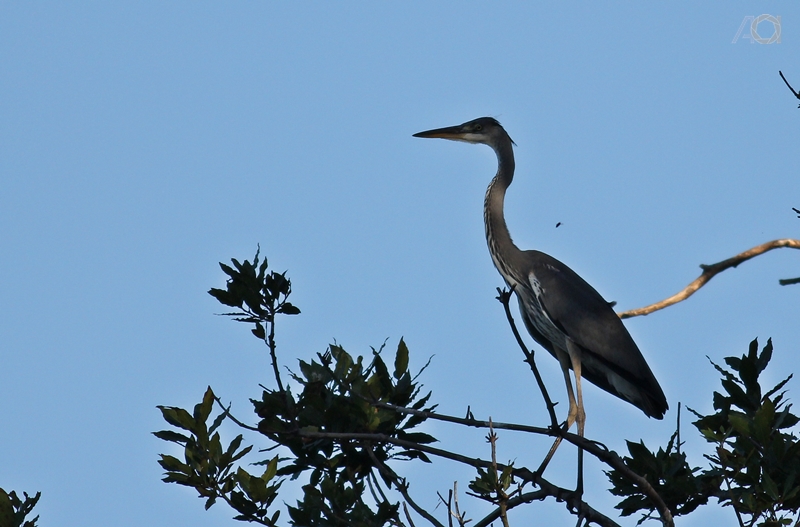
x: 478, y: 128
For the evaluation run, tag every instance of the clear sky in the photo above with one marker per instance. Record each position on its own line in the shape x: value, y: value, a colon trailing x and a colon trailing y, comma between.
x: 141, y: 143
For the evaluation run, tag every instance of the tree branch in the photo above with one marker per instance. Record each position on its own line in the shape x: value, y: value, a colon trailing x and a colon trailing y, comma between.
x: 513, y: 502
x: 574, y: 502
x: 229, y: 415
x: 504, y: 296
x: 709, y: 271
x: 466, y: 421
x: 595, y: 448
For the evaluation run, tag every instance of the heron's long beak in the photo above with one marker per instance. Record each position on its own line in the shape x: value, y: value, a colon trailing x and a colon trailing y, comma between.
x: 455, y: 133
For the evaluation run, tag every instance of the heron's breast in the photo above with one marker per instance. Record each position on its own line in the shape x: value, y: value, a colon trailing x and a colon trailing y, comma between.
x: 530, y: 296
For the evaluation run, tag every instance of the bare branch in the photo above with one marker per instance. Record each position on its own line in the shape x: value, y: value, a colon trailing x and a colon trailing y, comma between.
x: 709, y: 271
x: 504, y: 296
x: 459, y: 516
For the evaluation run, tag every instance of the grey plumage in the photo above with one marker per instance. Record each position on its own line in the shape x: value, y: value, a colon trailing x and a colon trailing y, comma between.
x: 562, y: 312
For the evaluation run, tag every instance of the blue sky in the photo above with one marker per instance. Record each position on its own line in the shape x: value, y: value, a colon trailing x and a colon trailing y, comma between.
x: 142, y: 143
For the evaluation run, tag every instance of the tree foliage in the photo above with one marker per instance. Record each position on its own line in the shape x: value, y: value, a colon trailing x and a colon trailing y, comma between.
x: 755, y: 463
x: 343, y: 424
x: 13, y: 510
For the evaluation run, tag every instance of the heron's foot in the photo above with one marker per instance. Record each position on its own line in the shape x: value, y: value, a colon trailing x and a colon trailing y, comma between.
x: 573, y: 499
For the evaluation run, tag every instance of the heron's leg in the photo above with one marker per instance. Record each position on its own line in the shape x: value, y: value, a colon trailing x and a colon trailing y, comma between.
x: 575, y: 408
x: 564, y: 360
x: 575, y: 358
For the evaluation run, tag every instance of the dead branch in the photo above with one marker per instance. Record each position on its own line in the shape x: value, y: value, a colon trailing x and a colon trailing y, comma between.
x: 709, y: 271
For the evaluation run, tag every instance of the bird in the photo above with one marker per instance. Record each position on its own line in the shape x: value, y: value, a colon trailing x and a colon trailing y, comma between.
x: 560, y: 310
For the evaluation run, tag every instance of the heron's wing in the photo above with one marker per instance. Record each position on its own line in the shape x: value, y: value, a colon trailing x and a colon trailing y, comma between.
x: 586, y: 318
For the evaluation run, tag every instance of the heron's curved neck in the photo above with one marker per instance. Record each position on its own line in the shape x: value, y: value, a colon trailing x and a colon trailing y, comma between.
x: 501, y: 247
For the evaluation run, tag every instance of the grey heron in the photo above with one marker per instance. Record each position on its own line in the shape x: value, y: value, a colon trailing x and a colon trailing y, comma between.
x: 561, y: 311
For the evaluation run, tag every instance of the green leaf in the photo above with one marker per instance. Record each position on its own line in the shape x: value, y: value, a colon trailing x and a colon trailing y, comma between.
x: 769, y: 487
x: 417, y: 437
x: 203, y: 410
x: 178, y: 417
x: 288, y: 309
x: 779, y: 386
x: 228, y: 271
x: 401, y: 359
x: 740, y: 423
x: 226, y: 297
x: 763, y: 420
x: 749, y: 375
x: 259, y: 331
x: 738, y: 397
x: 272, y: 469
x: 243, y: 452
x: 174, y: 437
x: 173, y: 464
x: 217, y: 421
x: 766, y: 355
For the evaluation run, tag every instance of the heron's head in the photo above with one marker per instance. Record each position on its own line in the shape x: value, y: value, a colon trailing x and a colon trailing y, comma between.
x: 485, y: 130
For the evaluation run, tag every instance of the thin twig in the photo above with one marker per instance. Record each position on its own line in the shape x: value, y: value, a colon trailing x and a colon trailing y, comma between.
x: 408, y: 516
x: 796, y: 94
x: 709, y: 271
x: 678, y: 427
x: 504, y: 296
x: 502, y: 497
x: 528, y: 497
x: 272, y: 346
x: 447, y: 503
x: 372, y: 488
x: 230, y: 416
x: 735, y: 508
x: 402, y: 487
x: 462, y: 522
